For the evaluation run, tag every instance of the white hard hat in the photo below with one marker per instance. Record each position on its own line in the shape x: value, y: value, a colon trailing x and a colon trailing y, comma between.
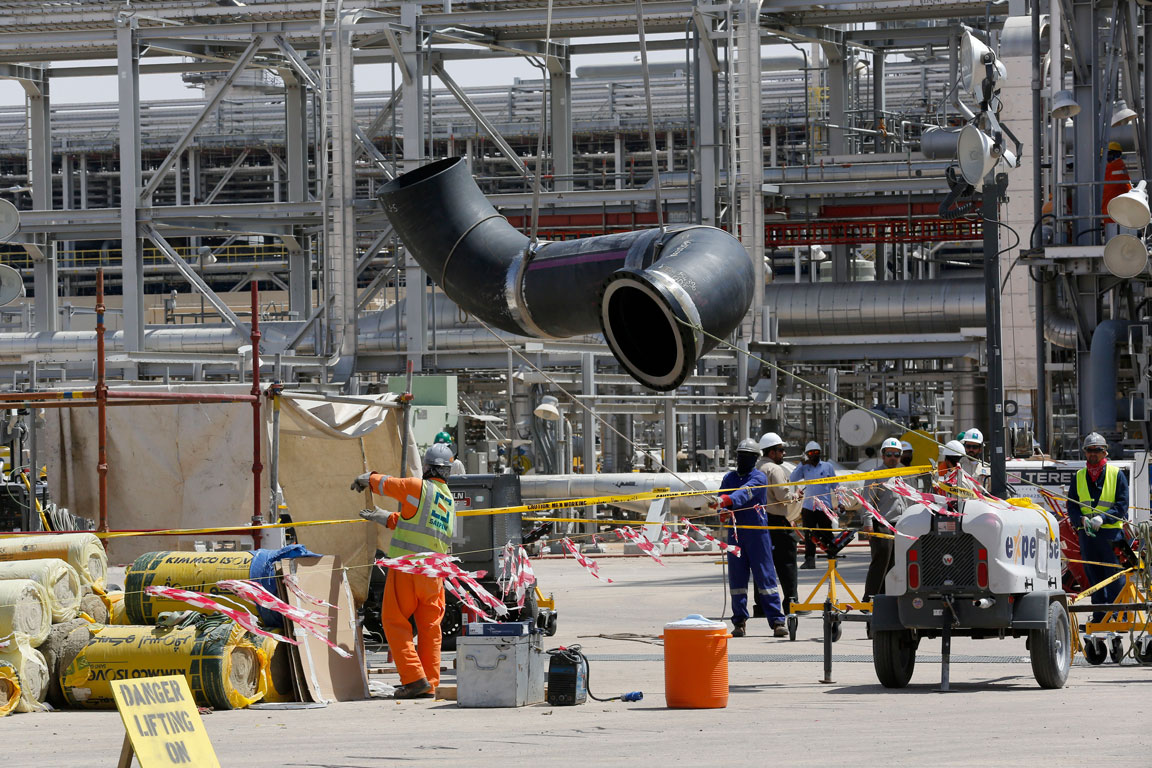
x: 905, y: 445
x: 891, y: 443
x: 812, y: 446
x: 770, y: 440
x: 1095, y: 440
x: 952, y: 448
x: 974, y: 436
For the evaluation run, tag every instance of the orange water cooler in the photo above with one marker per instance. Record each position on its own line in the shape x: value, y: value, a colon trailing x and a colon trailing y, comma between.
x: 696, y: 663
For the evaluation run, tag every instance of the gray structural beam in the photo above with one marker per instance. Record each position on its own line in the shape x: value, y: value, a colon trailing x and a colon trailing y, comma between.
x: 128, y: 62
x: 40, y: 179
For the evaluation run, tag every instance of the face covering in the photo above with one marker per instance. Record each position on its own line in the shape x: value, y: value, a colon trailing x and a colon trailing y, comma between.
x: 745, y: 462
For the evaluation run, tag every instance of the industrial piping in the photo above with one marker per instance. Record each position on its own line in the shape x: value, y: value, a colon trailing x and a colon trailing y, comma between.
x: 1102, y: 374
x: 647, y: 290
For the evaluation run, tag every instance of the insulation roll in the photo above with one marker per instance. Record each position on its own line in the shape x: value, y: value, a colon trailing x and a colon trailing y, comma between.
x: 9, y: 688
x: 278, y: 676
x: 32, y: 671
x: 225, y: 670
x: 199, y: 572
x: 56, y: 576
x: 25, y: 610
x: 96, y: 609
x: 116, y: 612
x: 64, y: 643
x: 82, y: 551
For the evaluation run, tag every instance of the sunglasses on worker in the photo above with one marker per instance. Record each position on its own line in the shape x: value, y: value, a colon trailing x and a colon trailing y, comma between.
x: 893, y: 454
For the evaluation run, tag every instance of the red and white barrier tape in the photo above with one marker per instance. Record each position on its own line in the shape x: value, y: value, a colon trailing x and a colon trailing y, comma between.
x: 641, y: 541
x: 443, y: 566
x: 516, y: 573
x: 589, y: 565
x: 667, y: 535
x: 294, y: 587
x: 315, y: 624
x: 724, y: 546
x: 828, y: 513
x: 935, y: 503
x: 877, y: 516
x: 198, y: 600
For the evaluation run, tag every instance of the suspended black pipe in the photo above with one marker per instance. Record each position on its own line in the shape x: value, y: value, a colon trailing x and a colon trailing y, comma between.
x: 639, y: 288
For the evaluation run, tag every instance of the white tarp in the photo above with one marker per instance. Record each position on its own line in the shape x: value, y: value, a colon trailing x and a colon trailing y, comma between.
x: 190, y: 466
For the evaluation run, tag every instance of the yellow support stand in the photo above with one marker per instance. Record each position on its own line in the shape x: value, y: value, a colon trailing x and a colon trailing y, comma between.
x: 831, y: 577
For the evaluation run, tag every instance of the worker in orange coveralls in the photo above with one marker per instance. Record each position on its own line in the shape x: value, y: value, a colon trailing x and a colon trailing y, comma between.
x: 424, y: 523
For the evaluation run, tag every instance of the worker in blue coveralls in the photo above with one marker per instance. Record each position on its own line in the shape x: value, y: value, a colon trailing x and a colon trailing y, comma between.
x: 1098, y: 509
x: 743, y: 498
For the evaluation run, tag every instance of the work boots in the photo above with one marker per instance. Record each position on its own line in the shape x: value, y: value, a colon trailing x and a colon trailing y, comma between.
x: 738, y: 629
x: 809, y: 563
x: 417, y: 689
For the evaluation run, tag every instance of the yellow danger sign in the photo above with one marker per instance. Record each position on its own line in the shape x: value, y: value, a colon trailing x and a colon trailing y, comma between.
x: 163, y: 724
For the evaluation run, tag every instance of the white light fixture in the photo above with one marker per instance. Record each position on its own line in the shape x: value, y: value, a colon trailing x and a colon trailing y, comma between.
x: 11, y: 285
x: 547, y: 409
x: 974, y: 58
x: 1125, y: 256
x: 1064, y: 106
x: 1122, y: 115
x: 816, y: 253
x: 1130, y: 210
x: 974, y: 153
x: 206, y: 255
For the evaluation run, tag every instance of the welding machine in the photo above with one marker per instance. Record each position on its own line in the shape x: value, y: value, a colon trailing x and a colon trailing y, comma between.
x: 567, y: 677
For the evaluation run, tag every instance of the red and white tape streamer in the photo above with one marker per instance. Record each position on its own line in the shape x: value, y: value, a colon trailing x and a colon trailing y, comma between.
x: 443, y: 566
x: 667, y: 535
x: 198, y: 600
x: 315, y: 624
x: 724, y: 546
x: 516, y: 573
x: 822, y: 507
x: 877, y: 516
x: 295, y: 588
x: 589, y: 565
x: 641, y: 541
x: 935, y: 503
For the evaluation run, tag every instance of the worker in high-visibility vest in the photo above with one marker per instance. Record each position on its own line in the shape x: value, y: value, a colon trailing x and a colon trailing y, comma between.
x: 1097, y: 509
x: 1116, y: 179
x: 425, y: 523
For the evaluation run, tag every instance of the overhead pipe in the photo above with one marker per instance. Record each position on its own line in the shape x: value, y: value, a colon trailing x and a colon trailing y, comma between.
x: 1059, y: 322
x: 1102, y: 374
x: 867, y: 308
x: 647, y: 290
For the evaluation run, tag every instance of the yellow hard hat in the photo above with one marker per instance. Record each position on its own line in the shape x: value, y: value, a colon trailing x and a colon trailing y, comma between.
x: 1114, y: 146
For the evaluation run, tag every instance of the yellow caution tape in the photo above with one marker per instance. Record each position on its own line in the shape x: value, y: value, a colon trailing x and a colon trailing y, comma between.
x: 1097, y: 587
x: 544, y: 506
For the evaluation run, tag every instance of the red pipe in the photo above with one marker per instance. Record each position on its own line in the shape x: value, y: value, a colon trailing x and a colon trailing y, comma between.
x: 257, y: 515
x: 101, y: 405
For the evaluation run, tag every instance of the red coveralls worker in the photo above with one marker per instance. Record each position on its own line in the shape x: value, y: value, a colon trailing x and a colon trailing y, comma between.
x: 424, y: 523
x: 1116, y: 179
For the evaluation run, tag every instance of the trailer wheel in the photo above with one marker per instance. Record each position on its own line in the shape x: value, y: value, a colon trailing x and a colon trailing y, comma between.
x: 894, y: 656
x: 1116, y: 652
x: 1051, y: 648
x: 837, y: 630
x: 1142, y: 649
x: 1095, y: 652
x: 793, y: 625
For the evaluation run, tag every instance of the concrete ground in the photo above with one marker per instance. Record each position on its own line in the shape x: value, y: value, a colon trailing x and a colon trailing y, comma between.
x: 778, y: 712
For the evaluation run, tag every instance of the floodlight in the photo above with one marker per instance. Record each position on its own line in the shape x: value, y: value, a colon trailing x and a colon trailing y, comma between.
x: 976, y: 154
x: 1130, y: 210
x: 816, y: 253
x: 1125, y: 256
x: 975, y: 56
x: 9, y: 220
x: 206, y: 255
x: 1122, y: 115
x: 1064, y: 106
x: 547, y: 409
x: 11, y: 285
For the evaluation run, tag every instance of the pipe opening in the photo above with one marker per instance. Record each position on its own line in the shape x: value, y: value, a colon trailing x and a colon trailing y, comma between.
x: 420, y: 174
x: 643, y: 333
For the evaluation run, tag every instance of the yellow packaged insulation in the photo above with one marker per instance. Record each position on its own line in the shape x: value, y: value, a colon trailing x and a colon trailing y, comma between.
x: 25, y: 610
x: 278, y: 675
x: 56, y: 576
x: 224, y: 668
x: 32, y: 671
x: 9, y: 688
x: 196, y: 571
x: 116, y: 612
x: 82, y: 551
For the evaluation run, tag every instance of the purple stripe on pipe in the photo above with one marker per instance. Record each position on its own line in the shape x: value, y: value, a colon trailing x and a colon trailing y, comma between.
x: 585, y: 258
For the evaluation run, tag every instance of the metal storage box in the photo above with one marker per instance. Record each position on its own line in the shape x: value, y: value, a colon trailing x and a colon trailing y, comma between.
x: 499, y: 671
